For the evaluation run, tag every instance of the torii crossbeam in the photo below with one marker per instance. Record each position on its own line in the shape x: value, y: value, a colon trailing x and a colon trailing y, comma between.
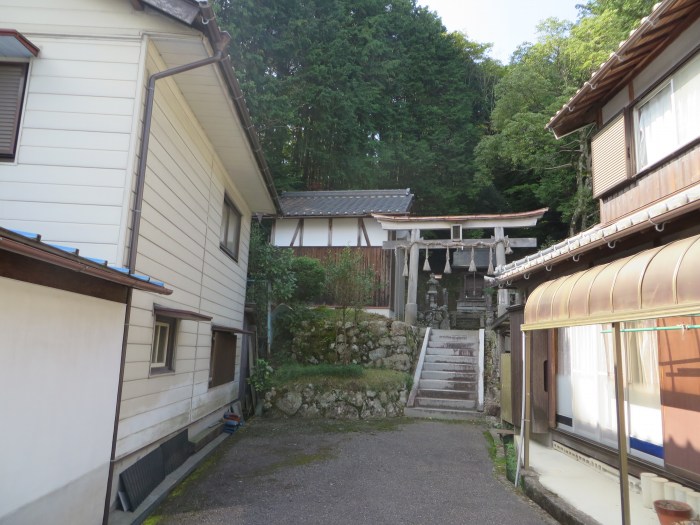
x: 456, y: 224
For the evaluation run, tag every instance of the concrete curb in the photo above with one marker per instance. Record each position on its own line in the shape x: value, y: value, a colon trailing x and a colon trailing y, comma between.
x: 559, y: 509
x: 139, y: 515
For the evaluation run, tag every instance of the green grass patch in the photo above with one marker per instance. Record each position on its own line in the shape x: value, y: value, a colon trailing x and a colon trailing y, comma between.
x: 340, y: 377
x: 295, y: 371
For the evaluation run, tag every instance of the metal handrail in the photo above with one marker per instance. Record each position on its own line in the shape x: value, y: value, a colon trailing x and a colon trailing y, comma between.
x: 419, y: 369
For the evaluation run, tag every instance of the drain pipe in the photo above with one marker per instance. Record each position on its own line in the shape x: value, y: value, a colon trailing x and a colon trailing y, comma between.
x: 219, y: 56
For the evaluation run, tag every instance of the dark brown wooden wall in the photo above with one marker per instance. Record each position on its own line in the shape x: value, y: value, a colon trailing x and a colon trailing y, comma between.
x: 517, y: 318
x: 679, y: 371
x: 374, y: 257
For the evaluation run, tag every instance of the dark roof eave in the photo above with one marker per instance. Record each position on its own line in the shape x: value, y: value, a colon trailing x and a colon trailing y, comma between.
x: 16, y: 243
x: 581, y: 108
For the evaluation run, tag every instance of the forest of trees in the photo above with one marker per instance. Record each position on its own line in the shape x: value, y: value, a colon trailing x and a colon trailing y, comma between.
x: 365, y: 94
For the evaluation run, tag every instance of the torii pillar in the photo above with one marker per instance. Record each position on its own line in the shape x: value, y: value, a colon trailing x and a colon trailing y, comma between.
x: 411, y: 311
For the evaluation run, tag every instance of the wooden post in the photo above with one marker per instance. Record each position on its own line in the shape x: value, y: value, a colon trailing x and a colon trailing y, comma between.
x: 411, y: 314
x: 527, y: 415
x: 621, y: 425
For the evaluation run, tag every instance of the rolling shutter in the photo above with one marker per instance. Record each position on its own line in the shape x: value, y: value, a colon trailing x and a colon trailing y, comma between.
x: 12, y: 78
x: 609, y: 157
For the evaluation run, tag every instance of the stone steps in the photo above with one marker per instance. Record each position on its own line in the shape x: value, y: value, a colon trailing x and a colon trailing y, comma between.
x: 454, y: 359
x: 450, y: 367
x: 454, y: 404
x: 450, y: 375
x: 448, y: 382
x: 452, y: 351
x: 441, y: 413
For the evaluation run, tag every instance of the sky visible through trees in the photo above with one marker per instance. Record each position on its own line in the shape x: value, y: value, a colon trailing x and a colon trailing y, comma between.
x: 366, y: 94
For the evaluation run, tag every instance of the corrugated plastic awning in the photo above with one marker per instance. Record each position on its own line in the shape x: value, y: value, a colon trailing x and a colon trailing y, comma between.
x: 660, y: 282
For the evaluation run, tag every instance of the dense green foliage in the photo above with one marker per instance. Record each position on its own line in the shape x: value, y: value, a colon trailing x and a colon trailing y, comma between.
x: 310, y: 279
x: 362, y: 94
x: 350, y: 94
x: 523, y: 161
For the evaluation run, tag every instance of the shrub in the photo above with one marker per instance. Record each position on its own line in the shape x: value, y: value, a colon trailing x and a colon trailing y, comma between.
x: 310, y: 278
x: 261, y: 376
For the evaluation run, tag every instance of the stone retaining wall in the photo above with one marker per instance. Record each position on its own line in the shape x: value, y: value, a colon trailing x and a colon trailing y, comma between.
x: 310, y: 401
x: 379, y: 343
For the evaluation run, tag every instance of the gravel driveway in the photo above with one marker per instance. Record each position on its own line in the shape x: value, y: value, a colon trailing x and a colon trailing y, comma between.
x: 402, y: 471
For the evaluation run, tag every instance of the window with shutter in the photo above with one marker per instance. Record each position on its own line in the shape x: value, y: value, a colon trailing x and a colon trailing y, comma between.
x: 12, y: 81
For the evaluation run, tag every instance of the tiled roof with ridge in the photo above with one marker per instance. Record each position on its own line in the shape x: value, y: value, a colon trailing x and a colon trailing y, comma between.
x: 349, y: 203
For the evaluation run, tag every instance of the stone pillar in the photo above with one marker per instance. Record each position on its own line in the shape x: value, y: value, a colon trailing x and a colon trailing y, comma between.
x: 411, y: 314
x: 503, y: 302
x: 399, y: 299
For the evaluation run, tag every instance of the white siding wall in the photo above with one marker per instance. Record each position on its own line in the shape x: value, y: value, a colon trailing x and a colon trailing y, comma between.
x: 76, y: 146
x: 179, y: 243
x: 67, y: 181
x: 59, y: 371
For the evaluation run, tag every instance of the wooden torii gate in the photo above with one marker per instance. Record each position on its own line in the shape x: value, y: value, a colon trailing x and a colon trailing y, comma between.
x: 456, y: 224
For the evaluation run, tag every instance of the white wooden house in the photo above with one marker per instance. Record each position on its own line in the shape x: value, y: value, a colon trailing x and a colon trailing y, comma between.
x: 321, y: 224
x: 130, y: 141
x: 612, y: 315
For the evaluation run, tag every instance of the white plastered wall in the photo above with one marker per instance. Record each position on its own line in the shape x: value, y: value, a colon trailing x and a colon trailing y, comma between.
x: 59, y: 372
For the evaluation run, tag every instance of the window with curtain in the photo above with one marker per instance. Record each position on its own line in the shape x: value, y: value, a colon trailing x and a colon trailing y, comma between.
x: 641, y: 347
x: 667, y: 119
x: 586, y: 383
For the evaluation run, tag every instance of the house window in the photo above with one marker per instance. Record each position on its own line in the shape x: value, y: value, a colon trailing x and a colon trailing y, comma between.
x: 163, y: 344
x: 222, y: 365
x: 667, y: 119
x: 13, y: 78
x: 230, y: 228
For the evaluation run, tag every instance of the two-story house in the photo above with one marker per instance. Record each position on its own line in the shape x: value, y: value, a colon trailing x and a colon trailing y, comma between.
x: 124, y: 134
x: 612, y: 316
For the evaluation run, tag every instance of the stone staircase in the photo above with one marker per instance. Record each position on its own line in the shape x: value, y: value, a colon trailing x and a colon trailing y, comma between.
x: 449, y: 381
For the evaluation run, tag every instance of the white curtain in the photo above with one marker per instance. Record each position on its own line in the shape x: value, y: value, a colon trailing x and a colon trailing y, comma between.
x: 592, y: 382
x: 656, y: 136
x: 643, y: 388
x: 686, y: 93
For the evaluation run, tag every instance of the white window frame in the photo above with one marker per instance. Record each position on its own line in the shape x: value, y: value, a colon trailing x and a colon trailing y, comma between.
x: 163, y: 327
x: 230, y: 241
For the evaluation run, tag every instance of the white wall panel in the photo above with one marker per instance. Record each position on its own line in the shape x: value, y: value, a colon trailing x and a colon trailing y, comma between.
x: 345, y: 232
x: 66, y: 375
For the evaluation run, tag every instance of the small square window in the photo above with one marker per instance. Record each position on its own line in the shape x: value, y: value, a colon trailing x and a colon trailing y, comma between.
x: 13, y: 78
x: 222, y: 365
x: 163, y: 344
x: 230, y: 228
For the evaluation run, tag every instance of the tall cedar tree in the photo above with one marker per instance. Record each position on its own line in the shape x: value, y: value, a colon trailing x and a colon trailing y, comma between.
x: 363, y: 94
